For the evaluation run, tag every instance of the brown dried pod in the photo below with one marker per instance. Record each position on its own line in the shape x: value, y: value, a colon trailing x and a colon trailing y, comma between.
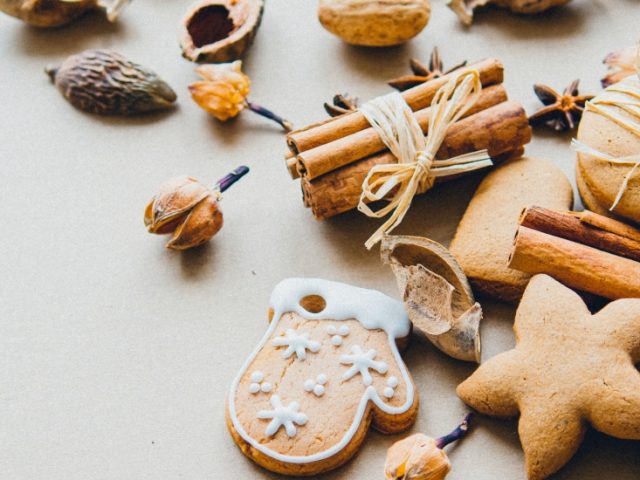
x: 106, y: 83
x: 219, y: 30
x: 55, y: 13
x: 436, y: 294
x: 464, y: 8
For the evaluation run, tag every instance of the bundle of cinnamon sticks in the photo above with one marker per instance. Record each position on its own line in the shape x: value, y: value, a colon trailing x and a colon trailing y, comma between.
x: 583, y: 250
x: 333, y: 157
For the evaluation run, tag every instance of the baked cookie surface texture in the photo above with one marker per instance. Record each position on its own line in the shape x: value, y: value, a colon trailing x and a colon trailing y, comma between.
x: 610, y: 126
x: 568, y: 368
x: 326, y: 369
x: 484, y: 239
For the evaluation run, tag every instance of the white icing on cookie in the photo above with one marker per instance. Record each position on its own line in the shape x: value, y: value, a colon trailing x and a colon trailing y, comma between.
x: 296, y: 343
x: 257, y: 383
x: 390, y: 390
x: 254, y: 388
x: 372, y: 309
x: 337, y: 334
x: 361, y: 363
x: 317, y: 386
x: 282, y: 416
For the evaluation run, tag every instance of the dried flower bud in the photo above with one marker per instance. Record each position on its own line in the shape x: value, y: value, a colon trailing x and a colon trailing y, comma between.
x: 223, y: 90
x: 621, y: 63
x: 188, y: 209
x: 419, y: 457
x: 223, y: 93
x: 416, y: 458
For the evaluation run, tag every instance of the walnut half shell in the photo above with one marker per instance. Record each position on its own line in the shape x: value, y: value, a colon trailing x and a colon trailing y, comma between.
x: 219, y: 30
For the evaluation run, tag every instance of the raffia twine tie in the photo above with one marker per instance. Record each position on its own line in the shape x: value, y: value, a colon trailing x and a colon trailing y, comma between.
x: 417, y: 168
x: 625, y: 97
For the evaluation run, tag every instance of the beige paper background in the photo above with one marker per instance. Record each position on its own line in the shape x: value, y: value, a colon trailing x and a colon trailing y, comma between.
x: 116, y: 354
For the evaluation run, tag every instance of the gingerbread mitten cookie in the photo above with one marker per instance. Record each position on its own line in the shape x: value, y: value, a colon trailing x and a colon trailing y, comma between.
x: 568, y: 368
x: 327, y: 367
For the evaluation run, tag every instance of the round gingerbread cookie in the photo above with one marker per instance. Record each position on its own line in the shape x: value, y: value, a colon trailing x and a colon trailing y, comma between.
x: 611, y: 125
x: 326, y: 369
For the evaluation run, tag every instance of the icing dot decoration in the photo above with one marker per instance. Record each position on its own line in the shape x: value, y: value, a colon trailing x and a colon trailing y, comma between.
x: 258, y: 384
x: 390, y: 390
x: 337, y: 333
x: 316, y: 386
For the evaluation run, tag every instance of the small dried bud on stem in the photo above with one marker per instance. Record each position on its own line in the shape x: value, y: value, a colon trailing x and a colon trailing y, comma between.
x: 223, y: 93
x: 419, y: 457
x: 188, y: 209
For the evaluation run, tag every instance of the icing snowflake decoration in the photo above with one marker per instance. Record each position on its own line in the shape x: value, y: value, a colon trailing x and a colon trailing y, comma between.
x: 337, y: 333
x: 316, y: 386
x: 282, y: 416
x: 390, y: 390
x: 258, y: 384
x: 361, y: 363
x: 296, y: 343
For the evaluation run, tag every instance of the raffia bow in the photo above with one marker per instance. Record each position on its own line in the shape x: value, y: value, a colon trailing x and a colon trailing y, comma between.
x: 417, y: 167
x: 625, y: 97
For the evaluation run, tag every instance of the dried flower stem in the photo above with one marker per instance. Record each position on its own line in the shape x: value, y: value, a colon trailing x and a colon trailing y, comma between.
x: 230, y: 178
x: 254, y: 107
x: 459, y: 432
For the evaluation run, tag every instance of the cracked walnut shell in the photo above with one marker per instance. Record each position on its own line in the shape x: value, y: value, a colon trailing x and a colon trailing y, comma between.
x: 374, y: 24
x: 218, y: 31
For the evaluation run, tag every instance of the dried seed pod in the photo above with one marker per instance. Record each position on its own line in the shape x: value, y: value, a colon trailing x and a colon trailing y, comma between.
x: 419, y: 457
x: 188, y: 210
x: 436, y: 294
x: 464, y: 8
x: 106, y: 83
x: 219, y: 30
x: 55, y: 13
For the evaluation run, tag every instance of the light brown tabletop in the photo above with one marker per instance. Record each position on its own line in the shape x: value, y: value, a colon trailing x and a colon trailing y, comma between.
x: 116, y: 354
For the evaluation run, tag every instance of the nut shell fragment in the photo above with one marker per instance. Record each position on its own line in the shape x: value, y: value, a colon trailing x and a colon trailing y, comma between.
x: 56, y: 13
x: 219, y: 30
x: 374, y: 24
x: 436, y: 294
x: 464, y: 8
x: 106, y: 83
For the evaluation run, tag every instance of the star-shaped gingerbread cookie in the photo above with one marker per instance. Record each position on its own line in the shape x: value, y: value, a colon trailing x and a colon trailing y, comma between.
x: 568, y: 368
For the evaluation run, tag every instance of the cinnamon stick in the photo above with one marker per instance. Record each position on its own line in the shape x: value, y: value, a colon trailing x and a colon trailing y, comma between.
x: 568, y: 225
x: 291, y: 162
x: 609, y: 225
x: 576, y: 265
x: 500, y: 129
x: 491, y: 72
x: 328, y: 157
